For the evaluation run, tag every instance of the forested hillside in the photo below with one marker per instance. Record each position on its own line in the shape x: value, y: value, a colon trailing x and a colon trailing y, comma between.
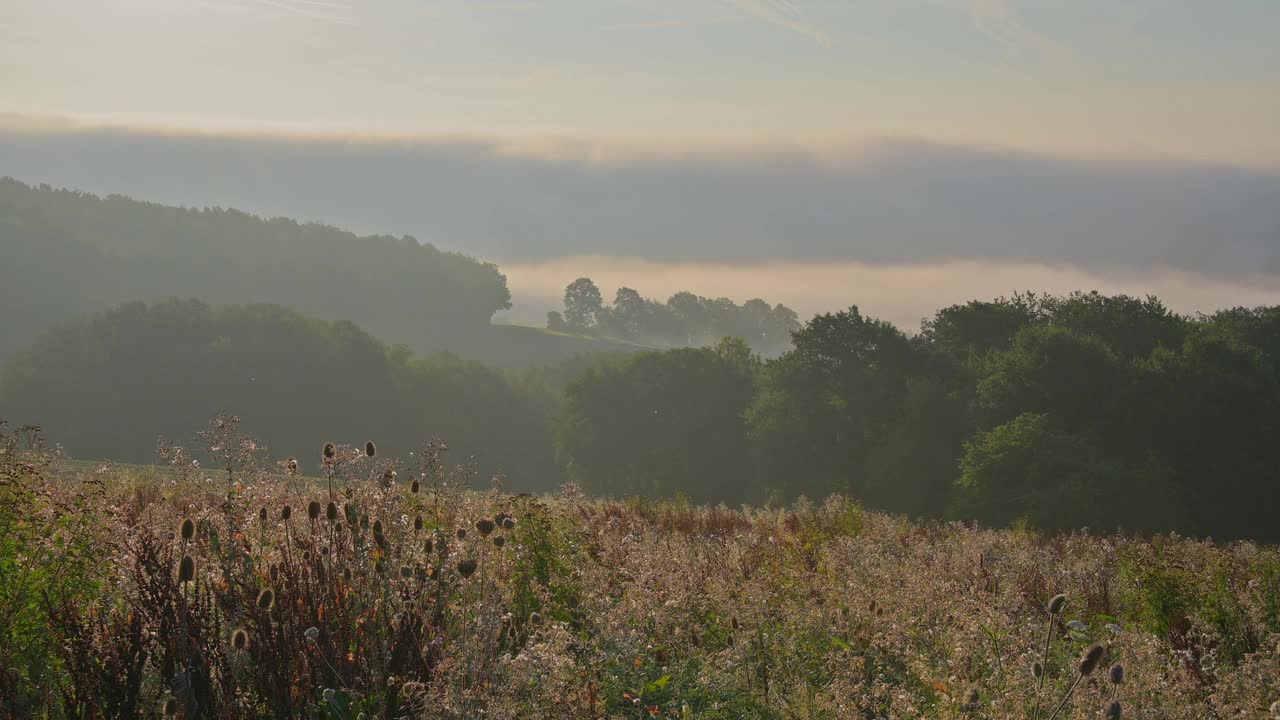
x: 66, y: 253
x: 1063, y: 412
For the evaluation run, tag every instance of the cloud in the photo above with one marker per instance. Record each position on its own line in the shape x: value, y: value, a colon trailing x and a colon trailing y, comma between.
x: 997, y: 19
x: 783, y: 14
x: 882, y: 203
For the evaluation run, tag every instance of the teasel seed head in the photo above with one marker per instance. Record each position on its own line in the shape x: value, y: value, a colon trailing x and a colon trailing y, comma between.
x: 313, y: 509
x: 508, y: 523
x: 535, y: 618
x: 286, y: 512
x: 414, y: 487
x: 428, y: 546
x: 1090, y: 659
x: 466, y: 568
x: 462, y: 533
x: 417, y: 523
x: 240, y: 639
x: 1058, y: 602
x: 369, y: 449
x: 499, y: 541
x: 186, y: 569
x: 330, y: 452
x: 1113, y: 710
x: 291, y: 466
x: 266, y: 599
x: 331, y: 512
x: 1116, y: 674
x: 262, y: 514
x: 485, y: 526
x: 1037, y: 669
x: 187, y: 530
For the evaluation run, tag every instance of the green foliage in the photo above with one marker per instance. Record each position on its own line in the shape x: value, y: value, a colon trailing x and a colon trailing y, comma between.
x: 77, y: 253
x: 108, y: 385
x: 657, y: 423
x: 684, y: 320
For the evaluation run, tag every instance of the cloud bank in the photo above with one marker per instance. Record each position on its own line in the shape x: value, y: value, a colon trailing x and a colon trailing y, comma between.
x: 886, y: 203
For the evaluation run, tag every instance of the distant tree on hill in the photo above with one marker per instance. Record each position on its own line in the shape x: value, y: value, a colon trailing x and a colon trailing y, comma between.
x: 582, y: 304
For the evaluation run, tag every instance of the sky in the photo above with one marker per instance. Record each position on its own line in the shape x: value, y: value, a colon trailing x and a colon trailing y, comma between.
x: 899, y: 154
x: 1187, y: 78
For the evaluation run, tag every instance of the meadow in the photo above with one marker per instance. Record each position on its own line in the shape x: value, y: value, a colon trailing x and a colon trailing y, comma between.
x: 223, y: 583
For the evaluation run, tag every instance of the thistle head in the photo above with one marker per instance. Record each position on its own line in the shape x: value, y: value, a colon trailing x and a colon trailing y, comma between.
x: 186, y: 569
x: 187, y: 530
x: 1090, y: 659
x: 312, y: 634
x: 1056, y: 604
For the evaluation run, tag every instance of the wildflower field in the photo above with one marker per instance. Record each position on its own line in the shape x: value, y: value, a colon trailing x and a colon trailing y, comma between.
x: 350, y: 585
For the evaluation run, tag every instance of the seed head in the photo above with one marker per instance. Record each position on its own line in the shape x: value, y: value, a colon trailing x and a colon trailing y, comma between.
x: 508, y: 523
x: 466, y: 568
x: 266, y: 599
x: 1058, y: 602
x: 262, y: 514
x: 1113, y: 710
x: 428, y: 546
x: 369, y: 449
x: 328, y: 694
x: 188, y: 529
x: 313, y: 509
x: 312, y: 634
x: 170, y: 706
x: 414, y: 487
x: 485, y: 526
x: 462, y: 533
x: 186, y: 569
x: 1116, y: 674
x: 291, y: 466
x: 286, y: 512
x: 499, y: 541
x: 535, y: 618
x: 406, y: 571
x: 330, y: 452
x: 331, y: 512
x: 1037, y: 669
x: 240, y: 639
x: 417, y: 523
x: 1089, y: 661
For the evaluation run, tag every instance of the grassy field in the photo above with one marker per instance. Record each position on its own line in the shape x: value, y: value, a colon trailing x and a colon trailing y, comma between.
x: 240, y: 591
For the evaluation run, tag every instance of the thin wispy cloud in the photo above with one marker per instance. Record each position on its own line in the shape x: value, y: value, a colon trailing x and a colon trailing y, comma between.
x: 999, y: 20
x: 783, y: 14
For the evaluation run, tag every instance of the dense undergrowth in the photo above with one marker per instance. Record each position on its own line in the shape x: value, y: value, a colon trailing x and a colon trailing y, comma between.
x: 236, y: 588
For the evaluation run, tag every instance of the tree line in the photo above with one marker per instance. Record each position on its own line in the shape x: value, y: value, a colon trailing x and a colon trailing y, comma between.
x: 65, y: 253
x: 684, y: 320
x: 1059, y: 411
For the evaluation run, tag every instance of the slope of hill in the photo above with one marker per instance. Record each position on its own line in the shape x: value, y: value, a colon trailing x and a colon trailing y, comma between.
x: 67, y: 252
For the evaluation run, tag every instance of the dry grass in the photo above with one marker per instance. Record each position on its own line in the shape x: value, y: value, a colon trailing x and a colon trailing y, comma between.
x: 603, y: 609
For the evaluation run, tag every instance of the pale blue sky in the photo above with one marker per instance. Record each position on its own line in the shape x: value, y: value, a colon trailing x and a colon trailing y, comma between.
x: 1188, y: 78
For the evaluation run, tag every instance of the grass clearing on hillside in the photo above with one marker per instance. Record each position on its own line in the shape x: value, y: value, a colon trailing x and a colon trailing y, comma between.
x: 239, y: 591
